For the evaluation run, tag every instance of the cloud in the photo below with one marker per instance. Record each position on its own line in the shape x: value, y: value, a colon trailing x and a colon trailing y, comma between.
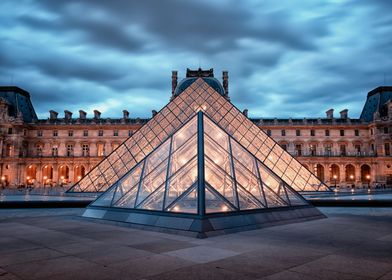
x: 284, y: 59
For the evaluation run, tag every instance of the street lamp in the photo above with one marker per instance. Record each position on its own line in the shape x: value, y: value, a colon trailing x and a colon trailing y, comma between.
x: 335, y: 177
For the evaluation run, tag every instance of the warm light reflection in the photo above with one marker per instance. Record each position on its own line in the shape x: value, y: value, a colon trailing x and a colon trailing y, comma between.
x: 176, y: 209
x: 224, y: 208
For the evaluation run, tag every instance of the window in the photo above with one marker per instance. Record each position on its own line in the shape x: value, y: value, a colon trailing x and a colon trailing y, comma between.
x: 85, y: 150
x: 115, y: 132
x: 298, y: 150
x: 10, y: 130
x: 312, y: 148
x: 9, y: 150
x: 70, y: 133
x: 283, y: 132
x: 312, y: 132
x: 284, y: 147
x: 55, y: 151
x: 356, y: 132
x: 342, y: 150
x: 357, y: 148
x: 341, y: 132
x: 269, y: 132
x: 69, y: 150
x: 328, y: 150
x: 386, y: 130
x: 298, y: 132
x: 39, y: 150
x: 39, y: 133
x: 327, y: 132
x: 100, y: 149
x: 387, y: 149
x: 55, y: 133
x: 85, y: 133
x: 100, y: 133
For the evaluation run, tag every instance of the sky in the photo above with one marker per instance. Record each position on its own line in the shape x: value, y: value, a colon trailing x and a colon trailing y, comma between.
x: 285, y: 58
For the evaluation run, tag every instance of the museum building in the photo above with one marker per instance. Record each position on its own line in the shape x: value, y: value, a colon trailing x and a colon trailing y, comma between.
x: 341, y: 151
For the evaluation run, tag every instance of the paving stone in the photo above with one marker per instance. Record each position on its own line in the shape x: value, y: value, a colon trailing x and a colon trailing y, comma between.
x: 162, y: 246
x: 350, y: 265
x: 322, y: 275
x: 202, y: 254
x: 24, y: 256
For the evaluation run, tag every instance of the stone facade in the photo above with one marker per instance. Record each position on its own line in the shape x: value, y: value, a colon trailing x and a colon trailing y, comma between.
x: 60, y: 150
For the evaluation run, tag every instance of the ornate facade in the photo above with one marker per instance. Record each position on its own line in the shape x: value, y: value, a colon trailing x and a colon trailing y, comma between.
x: 60, y: 150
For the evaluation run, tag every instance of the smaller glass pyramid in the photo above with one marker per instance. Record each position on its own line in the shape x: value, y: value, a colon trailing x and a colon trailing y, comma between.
x: 201, y: 170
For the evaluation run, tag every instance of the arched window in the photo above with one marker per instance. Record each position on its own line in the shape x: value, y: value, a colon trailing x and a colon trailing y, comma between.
x: 335, y: 173
x: 365, y: 173
x: 320, y: 172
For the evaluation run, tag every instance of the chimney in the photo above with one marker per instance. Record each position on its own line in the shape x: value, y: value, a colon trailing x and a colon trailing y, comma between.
x: 82, y: 115
x: 125, y: 114
x: 67, y: 115
x: 344, y: 114
x: 97, y: 114
x: 53, y: 115
x: 174, y: 82
x: 329, y: 114
x: 154, y: 113
x: 225, y: 80
x: 245, y: 112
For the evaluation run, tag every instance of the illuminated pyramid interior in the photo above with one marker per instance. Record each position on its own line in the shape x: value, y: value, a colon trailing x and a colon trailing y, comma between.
x: 198, y: 94
x: 197, y: 178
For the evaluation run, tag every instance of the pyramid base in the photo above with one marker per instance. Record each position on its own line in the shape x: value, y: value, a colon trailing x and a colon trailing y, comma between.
x: 205, y: 226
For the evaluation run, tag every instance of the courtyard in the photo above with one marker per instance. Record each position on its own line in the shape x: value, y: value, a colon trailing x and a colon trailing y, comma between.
x: 352, y: 243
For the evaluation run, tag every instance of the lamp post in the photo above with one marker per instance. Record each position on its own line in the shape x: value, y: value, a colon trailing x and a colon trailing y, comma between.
x: 368, y: 181
x: 335, y: 177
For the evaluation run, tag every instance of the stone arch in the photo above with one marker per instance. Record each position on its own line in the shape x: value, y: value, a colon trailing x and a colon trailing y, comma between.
x: 334, y: 173
x: 63, y: 173
x: 31, y: 174
x: 365, y: 173
x: 79, y: 172
x: 350, y: 173
x: 320, y: 172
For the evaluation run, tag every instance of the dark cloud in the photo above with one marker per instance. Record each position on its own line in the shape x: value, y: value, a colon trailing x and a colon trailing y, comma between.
x: 284, y: 59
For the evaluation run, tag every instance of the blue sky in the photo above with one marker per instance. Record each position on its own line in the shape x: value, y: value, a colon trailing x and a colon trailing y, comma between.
x: 285, y: 58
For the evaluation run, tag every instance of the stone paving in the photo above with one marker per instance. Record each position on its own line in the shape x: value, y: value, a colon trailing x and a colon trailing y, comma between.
x: 353, y: 243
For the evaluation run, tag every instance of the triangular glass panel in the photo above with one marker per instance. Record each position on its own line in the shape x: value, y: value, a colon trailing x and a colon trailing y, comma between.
x: 217, y: 154
x: 128, y: 199
x: 214, y: 203
x: 128, y: 182
x: 105, y: 199
x: 152, y: 181
x: 271, y: 181
x: 294, y: 198
x: 181, y: 181
x: 221, y: 181
x: 154, y: 201
x: 246, y: 200
x: 188, y: 203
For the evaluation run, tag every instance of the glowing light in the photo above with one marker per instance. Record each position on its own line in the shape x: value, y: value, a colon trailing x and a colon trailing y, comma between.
x: 28, y: 177
x: 45, y: 177
x: 2, y: 178
x: 218, y: 135
x: 30, y: 167
x: 335, y: 176
x: 224, y: 208
x: 46, y: 166
x: 351, y: 176
x: 176, y: 209
x: 62, y: 177
x: 204, y: 107
x: 368, y: 176
x: 79, y: 177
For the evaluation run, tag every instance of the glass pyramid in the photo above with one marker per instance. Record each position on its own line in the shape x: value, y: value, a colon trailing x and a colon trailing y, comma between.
x: 200, y: 169
x: 199, y: 96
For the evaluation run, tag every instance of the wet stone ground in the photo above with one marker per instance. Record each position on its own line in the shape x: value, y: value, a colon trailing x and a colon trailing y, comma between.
x: 353, y: 243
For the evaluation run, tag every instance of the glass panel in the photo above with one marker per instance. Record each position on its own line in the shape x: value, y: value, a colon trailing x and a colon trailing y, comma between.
x: 152, y: 181
x: 217, y: 134
x: 154, y: 201
x: 220, y: 181
x: 181, y: 136
x: 243, y: 156
x: 128, y: 200
x: 214, y: 203
x: 246, y: 200
x: 128, y: 181
x: 218, y: 155
x: 160, y: 154
x: 105, y: 199
x: 273, y: 200
x: 247, y: 180
x: 181, y: 181
x: 186, y: 204
x: 295, y: 199
x: 183, y: 155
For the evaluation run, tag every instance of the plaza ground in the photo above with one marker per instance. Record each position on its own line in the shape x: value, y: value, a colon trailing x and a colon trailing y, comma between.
x: 352, y: 243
